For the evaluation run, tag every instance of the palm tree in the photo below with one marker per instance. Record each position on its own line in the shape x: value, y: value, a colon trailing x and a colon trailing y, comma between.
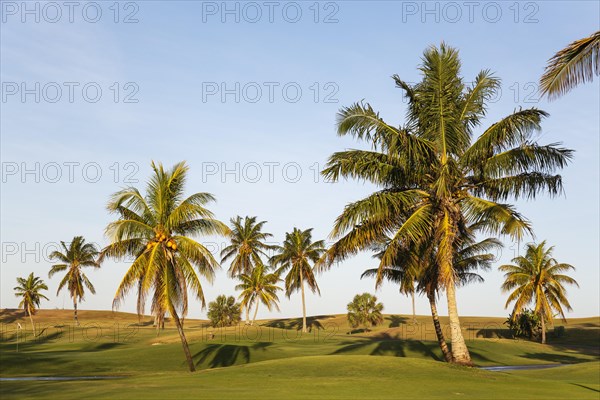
x: 470, y: 256
x: 259, y: 287
x: 74, y: 258
x: 577, y: 63
x: 224, y: 311
x: 29, y: 290
x: 538, y: 278
x: 434, y: 179
x: 295, y: 256
x: 365, y: 310
x: 157, y: 230
x: 247, y: 248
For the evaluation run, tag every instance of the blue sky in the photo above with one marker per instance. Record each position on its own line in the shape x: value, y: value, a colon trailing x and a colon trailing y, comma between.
x: 161, y: 81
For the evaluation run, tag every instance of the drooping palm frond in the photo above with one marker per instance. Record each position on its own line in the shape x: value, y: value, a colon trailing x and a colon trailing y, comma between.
x: 575, y: 64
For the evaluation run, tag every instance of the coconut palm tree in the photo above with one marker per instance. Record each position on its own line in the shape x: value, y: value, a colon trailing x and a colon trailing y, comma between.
x: 421, y: 266
x: 29, y: 289
x: 246, y: 249
x: 224, y: 311
x: 259, y: 287
x: 434, y: 179
x: 74, y: 258
x: 295, y: 257
x: 538, y: 278
x: 157, y: 230
x: 577, y: 63
x: 364, y: 310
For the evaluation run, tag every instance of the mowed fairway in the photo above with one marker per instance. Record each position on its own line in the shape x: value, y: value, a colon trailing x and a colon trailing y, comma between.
x: 398, y: 359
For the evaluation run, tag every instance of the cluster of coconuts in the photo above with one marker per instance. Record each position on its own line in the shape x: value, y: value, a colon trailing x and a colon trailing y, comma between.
x: 162, y: 238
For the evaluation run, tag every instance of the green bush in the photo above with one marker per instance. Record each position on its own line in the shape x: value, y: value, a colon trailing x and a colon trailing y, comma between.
x: 525, y: 324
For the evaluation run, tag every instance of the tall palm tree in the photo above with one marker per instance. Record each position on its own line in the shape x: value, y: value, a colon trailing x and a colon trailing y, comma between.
x: 295, y: 256
x: 259, y: 287
x: 246, y: 249
x: 538, y: 278
x: 74, y: 258
x: 157, y: 230
x: 434, y: 179
x: 577, y: 63
x: 29, y: 289
x: 421, y: 266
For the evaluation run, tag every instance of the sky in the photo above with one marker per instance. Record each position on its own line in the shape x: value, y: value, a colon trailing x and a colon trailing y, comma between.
x: 247, y: 93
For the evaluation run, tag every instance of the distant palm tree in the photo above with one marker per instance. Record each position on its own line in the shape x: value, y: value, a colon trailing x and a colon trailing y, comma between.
x: 295, y: 256
x: 577, y: 63
x: 29, y: 290
x: 434, y: 176
x: 364, y: 310
x: 247, y: 248
x: 74, y: 258
x: 224, y: 311
x: 157, y: 229
x: 259, y: 287
x: 538, y: 278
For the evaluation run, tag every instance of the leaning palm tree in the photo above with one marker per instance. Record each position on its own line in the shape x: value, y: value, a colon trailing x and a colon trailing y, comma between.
x: 259, y: 287
x: 538, y: 278
x: 295, y: 256
x: 156, y: 230
x: 73, y: 258
x: 29, y: 289
x: 246, y: 249
x: 434, y: 179
x: 577, y: 63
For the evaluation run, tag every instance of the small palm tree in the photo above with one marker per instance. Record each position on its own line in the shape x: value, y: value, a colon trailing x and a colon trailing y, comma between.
x: 295, y: 256
x: 74, y: 258
x: 538, y: 278
x: 259, y: 287
x: 364, y: 310
x: 29, y: 289
x: 224, y: 311
x: 157, y: 229
x: 246, y: 249
x: 577, y: 63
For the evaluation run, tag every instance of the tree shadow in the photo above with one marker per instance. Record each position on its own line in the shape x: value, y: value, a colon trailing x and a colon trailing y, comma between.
x: 387, y: 345
x: 225, y: 355
x: 313, y: 322
x: 586, y: 387
x: 556, y: 358
x: 493, y: 333
x: 396, y: 320
x: 8, y: 316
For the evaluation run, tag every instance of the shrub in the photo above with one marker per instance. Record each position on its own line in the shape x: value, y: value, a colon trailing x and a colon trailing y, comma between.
x: 364, y: 310
x: 525, y: 324
x: 224, y: 311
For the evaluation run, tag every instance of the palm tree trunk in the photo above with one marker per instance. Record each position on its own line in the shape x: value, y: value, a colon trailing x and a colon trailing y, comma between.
x: 438, y: 329
x: 248, y: 314
x: 460, y: 352
x: 75, y: 312
x: 255, y: 312
x: 412, y: 295
x: 304, y: 330
x: 31, y: 319
x: 184, y: 343
x: 543, y: 328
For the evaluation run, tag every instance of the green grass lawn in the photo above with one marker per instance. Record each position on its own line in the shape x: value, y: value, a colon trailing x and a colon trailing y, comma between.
x: 274, y: 361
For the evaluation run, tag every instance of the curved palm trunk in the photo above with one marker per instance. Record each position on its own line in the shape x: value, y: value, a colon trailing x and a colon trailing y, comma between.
x: 412, y: 295
x: 31, y: 319
x: 543, y: 328
x: 438, y: 329
x: 75, y: 312
x: 248, y: 314
x: 304, y: 330
x: 255, y: 312
x: 460, y: 352
x: 184, y: 343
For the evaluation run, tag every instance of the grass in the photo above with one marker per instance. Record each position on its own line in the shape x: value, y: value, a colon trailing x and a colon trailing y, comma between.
x: 273, y: 360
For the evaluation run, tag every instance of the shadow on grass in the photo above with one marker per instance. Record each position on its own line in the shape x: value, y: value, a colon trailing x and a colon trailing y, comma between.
x: 556, y: 358
x: 296, y: 323
x: 225, y: 355
x: 8, y: 316
x: 396, y: 320
x: 586, y: 387
x: 387, y: 345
